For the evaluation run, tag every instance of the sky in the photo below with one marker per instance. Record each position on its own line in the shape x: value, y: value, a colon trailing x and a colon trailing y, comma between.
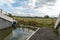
x: 32, y: 8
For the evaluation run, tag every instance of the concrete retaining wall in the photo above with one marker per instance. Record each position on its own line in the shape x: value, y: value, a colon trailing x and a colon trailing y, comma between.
x: 4, y: 23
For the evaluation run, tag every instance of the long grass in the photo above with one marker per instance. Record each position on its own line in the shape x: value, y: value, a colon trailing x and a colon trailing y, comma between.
x: 39, y: 22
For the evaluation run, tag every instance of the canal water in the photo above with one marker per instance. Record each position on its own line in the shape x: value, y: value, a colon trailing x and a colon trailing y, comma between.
x: 16, y: 34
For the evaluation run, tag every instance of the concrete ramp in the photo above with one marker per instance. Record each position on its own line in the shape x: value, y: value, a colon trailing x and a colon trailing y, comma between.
x: 44, y: 34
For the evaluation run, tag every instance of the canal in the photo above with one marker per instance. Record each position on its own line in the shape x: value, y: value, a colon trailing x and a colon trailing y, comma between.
x: 20, y: 33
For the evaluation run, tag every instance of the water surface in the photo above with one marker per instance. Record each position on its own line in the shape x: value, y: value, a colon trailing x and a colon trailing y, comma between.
x: 19, y: 33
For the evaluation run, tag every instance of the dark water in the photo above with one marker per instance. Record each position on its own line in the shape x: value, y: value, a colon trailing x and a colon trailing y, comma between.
x: 18, y: 33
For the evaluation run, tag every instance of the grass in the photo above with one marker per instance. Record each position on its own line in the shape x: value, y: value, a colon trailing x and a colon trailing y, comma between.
x: 39, y: 22
x: 4, y: 33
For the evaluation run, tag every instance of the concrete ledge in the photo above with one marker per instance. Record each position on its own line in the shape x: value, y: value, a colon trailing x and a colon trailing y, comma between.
x: 32, y: 34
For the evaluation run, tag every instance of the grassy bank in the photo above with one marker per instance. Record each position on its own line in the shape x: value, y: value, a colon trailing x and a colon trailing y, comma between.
x: 39, y: 22
x: 4, y: 33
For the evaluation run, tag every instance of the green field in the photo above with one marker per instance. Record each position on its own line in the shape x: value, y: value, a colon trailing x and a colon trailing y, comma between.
x: 39, y: 22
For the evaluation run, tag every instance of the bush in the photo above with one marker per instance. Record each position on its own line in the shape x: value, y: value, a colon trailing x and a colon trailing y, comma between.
x: 32, y: 23
x: 46, y: 16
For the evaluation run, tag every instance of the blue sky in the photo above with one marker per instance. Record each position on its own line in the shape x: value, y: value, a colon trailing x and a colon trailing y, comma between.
x: 31, y: 7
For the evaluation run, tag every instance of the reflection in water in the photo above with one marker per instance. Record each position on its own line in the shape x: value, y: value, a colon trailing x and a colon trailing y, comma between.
x: 17, y: 34
x: 21, y: 34
x: 4, y: 33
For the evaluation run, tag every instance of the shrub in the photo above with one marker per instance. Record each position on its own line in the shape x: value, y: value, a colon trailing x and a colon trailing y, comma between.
x: 46, y: 16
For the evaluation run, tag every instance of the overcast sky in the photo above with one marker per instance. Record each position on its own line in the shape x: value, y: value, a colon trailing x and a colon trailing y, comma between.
x: 31, y: 7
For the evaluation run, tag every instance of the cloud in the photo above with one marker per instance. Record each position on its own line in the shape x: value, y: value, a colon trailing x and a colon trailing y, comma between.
x: 6, y: 5
x: 31, y: 7
x: 41, y: 3
x: 7, y: 1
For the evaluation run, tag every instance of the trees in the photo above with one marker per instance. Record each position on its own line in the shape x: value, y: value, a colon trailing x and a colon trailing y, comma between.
x: 46, y: 16
x: 10, y: 15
